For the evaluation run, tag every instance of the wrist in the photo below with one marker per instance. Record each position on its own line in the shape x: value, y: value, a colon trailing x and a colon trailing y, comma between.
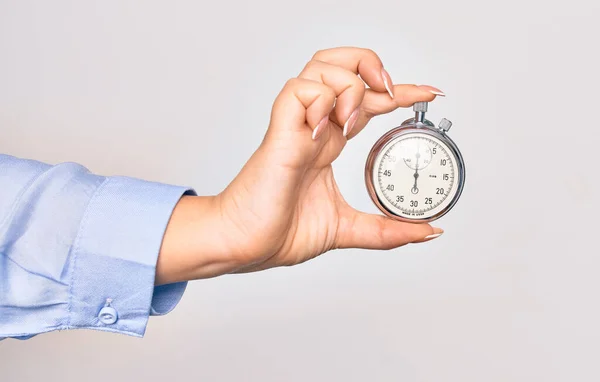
x: 194, y: 245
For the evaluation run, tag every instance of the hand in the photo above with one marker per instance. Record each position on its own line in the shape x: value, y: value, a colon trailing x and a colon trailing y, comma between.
x: 284, y: 207
x: 415, y: 189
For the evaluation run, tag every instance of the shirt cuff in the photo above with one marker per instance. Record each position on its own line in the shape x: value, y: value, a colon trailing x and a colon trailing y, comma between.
x: 113, y: 260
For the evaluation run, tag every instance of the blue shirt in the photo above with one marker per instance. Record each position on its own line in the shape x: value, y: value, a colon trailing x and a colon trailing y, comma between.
x: 78, y: 250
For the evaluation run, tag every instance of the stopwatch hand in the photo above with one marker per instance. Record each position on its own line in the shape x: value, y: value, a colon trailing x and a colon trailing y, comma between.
x: 415, y: 189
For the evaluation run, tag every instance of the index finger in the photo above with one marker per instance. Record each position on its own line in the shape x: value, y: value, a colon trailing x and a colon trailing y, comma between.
x: 375, y: 104
x: 363, y: 62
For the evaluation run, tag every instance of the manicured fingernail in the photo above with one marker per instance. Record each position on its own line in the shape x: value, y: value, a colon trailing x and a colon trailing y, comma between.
x: 318, y: 130
x: 437, y: 232
x: 433, y: 90
x: 350, y: 122
x: 387, y: 81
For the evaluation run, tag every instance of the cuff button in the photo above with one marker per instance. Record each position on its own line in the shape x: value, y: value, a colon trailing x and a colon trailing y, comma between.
x: 108, y: 315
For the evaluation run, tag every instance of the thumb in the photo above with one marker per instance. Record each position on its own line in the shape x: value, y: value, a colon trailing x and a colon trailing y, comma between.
x: 362, y: 230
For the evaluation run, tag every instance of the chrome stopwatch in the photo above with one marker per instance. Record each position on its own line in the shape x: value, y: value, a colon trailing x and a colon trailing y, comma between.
x: 415, y: 172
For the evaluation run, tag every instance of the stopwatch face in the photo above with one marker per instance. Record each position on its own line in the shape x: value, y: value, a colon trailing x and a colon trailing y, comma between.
x: 416, y: 176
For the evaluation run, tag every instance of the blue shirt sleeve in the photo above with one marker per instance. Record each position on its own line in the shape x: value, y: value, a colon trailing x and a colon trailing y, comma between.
x: 79, y: 251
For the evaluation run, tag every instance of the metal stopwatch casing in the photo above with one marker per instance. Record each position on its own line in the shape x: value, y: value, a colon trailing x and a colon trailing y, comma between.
x: 415, y: 172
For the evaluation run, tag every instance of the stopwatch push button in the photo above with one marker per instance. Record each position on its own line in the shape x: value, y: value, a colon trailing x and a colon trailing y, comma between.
x: 445, y: 124
x: 420, y: 107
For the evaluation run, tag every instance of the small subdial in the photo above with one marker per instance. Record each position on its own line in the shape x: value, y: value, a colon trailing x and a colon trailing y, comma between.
x: 416, y: 154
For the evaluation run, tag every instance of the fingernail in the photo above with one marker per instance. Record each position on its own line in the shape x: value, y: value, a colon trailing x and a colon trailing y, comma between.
x: 437, y: 232
x: 433, y: 90
x: 350, y: 122
x: 387, y: 81
x: 318, y: 130
x: 433, y: 236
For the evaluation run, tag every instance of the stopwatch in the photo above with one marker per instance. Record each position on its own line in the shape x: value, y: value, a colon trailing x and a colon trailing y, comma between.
x: 415, y: 172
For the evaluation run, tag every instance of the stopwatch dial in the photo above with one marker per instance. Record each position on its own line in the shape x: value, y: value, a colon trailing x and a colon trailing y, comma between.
x: 415, y: 176
x: 416, y: 153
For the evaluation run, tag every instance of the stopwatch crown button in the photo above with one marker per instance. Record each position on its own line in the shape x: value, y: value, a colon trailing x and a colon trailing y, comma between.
x: 420, y: 107
x: 445, y: 124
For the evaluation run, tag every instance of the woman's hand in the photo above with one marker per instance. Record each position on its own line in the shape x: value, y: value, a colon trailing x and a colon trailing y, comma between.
x: 284, y: 207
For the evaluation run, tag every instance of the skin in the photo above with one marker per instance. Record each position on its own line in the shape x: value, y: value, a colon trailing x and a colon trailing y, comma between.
x: 284, y: 207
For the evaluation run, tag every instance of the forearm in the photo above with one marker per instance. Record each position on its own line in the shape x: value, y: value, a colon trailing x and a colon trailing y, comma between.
x: 195, y: 244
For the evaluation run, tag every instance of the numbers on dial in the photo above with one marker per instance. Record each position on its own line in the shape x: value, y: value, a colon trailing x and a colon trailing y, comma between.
x: 419, y: 166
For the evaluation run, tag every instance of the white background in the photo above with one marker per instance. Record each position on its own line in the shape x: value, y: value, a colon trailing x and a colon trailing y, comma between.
x: 157, y: 90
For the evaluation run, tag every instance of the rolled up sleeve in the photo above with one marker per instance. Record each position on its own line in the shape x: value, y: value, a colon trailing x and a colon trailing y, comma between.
x: 78, y: 250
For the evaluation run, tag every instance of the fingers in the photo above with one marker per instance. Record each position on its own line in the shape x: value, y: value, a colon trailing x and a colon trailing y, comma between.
x: 355, y: 105
x: 348, y: 88
x: 301, y: 102
x: 432, y: 90
x: 375, y: 103
x: 405, y: 96
x: 362, y: 230
x: 360, y: 61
